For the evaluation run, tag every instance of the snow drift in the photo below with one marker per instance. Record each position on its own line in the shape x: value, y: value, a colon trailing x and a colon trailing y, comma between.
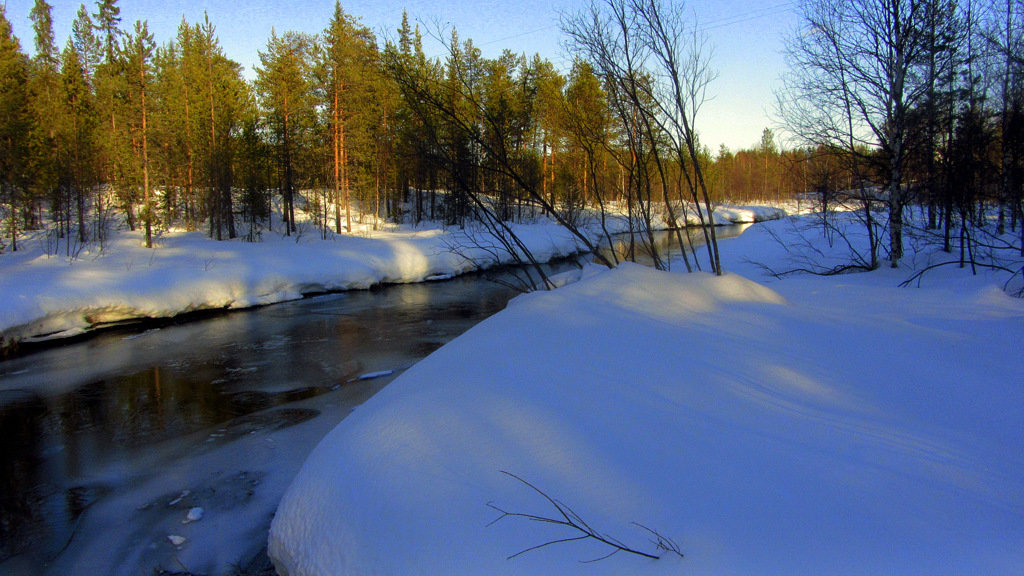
x: 828, y: 432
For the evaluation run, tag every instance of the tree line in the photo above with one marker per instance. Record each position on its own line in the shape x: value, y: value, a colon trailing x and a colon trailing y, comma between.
x: 115, y: 129
x: 893, y: 103
x: 116, y: 126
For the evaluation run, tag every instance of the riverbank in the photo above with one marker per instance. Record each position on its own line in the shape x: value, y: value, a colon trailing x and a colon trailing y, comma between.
x: 810, y: 425
x: 51, y: 296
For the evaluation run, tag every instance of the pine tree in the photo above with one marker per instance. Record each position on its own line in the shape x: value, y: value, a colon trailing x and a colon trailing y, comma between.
x: 204, y: 102
x: 15, y: 124
x: 117, y: 148
x: 44, y: 86
x: 347, y: 65
x: 139, y: 51
x: 282, y: 81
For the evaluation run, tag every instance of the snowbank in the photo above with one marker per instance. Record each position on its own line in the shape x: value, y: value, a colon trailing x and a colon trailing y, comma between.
x: 821, y: 427
x: 52, y: 296
x: 747, y: 214
x: 47, y: 297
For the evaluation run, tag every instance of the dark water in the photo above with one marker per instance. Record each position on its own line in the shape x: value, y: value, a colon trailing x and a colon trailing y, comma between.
x: 72, y: 413
x: 666, y: 245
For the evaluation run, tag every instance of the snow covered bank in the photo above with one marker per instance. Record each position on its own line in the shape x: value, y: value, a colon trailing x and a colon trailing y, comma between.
x: 747, y: 214
x: 49, y: 297
x: 819, y: 426
x: 52, y: 297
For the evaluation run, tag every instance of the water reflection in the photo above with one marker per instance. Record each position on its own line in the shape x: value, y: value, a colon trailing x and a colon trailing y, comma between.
x: 71, y: 414
x: 638, y: 248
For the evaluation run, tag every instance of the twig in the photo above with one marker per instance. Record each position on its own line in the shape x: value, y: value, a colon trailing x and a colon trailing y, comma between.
x: 568, y: 518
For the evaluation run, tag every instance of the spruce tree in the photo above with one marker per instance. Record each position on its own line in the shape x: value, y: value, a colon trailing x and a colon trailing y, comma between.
x: 108, y: 18
x: 15, y: 124
x: 44, y: 86
x: 282, y: 81
x: 77, y: 165
x: 85, y: 42
x: 139, y: 51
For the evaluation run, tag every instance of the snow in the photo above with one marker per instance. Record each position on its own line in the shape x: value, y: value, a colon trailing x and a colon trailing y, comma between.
x: 49, y: 296
x: 747, y: 214
x: 195, y: 514
x: 811, y: 425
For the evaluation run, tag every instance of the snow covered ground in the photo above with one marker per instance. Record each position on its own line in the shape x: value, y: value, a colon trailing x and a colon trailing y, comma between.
x: 806, y: 426
x: 49, y: 296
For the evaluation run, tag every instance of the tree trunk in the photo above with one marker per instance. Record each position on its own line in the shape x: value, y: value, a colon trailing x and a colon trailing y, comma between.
x: 336, y: 118
x: 145, y: 161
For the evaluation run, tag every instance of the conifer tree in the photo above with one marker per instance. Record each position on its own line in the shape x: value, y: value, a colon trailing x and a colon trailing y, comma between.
x: 44, y: 84
x: 204, y: 99
x: 108, y: 18
x: 76, y: 136
x: 139, y: 51
x: 15, y: 123
x: 85, y: 42
x: 282, y: 80
x: 111, y: 81
x: 347, y: 65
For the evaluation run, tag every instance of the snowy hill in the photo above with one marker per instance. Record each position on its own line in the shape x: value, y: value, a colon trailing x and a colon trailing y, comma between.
x: 813, y: 426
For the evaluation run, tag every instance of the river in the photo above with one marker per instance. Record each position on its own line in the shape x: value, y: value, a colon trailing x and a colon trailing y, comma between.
x: 167, y: 448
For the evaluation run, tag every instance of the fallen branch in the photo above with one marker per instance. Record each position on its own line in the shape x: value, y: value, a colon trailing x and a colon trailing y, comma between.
x: 570, y: 519
x: 920, y: 273
x: 817, y: 271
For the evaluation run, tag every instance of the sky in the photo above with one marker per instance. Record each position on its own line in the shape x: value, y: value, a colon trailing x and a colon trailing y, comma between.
x: 746, y: 37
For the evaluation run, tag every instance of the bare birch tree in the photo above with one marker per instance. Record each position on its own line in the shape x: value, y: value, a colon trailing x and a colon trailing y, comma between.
x: 655, y: 66
x: 855, y: 77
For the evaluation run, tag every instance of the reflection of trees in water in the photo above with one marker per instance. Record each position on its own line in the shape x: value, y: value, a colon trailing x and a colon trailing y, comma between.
x: 40, y: 451
x: 229, y: 376
x: 44, y: 450
x: 21, y: 433
x: 665, y: 242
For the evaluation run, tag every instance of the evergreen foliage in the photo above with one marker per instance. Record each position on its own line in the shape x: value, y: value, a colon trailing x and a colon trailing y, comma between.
x: 119, y: 129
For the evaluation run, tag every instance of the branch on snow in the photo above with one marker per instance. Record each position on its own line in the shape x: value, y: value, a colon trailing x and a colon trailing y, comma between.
x: 920, y: 273
x: 580, y: 530
x: 814, y: 271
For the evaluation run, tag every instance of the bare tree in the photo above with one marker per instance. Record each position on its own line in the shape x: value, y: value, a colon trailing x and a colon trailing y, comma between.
x: 855, y: 78
x: 454, y: 116
x: 655, y: 67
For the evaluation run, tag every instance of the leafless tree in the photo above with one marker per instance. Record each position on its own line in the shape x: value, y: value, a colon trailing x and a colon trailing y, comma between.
x: 654, y: 63
x: 454, y: 110
x: 855, y: 76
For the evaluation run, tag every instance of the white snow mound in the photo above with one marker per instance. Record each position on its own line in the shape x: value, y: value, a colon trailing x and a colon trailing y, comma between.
x: 763, y: 436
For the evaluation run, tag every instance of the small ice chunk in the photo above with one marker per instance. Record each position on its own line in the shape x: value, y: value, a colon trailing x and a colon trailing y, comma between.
x: 176, y: 540
x: 180, y: 497
x: 194, y: 515
x: 372, y: 375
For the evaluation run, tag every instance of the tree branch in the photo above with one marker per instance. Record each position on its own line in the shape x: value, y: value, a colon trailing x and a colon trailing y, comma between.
x: 568, y: 518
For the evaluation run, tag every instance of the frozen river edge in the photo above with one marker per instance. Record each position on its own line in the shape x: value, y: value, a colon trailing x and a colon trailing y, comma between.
x: 51, y: 297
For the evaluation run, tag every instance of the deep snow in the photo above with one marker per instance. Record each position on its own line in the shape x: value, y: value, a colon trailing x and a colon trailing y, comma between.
x: 808, y: 426
x: 48, y: 295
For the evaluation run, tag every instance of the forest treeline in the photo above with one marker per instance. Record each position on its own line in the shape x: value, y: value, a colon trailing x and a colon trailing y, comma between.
x: 890, y: 103
x: 114, y: 129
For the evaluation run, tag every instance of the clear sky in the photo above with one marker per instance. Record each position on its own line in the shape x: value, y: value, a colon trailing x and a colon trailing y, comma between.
x: 747, y: 38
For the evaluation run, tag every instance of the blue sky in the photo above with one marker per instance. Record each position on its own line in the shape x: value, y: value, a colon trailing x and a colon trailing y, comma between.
x: 747, y: 38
